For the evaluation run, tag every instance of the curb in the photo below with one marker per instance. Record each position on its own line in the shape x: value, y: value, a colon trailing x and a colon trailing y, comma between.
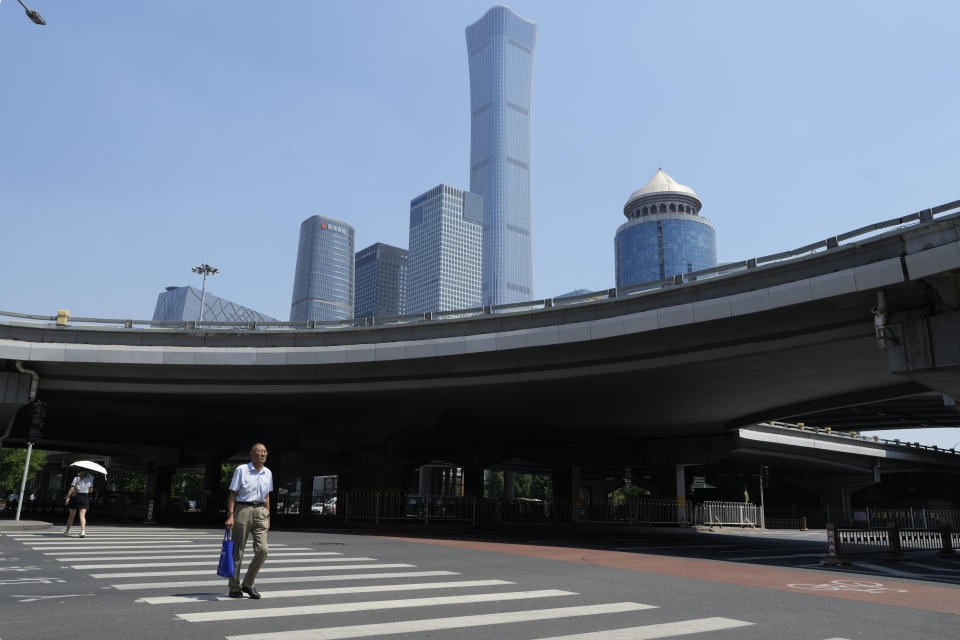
x: 24, y: 525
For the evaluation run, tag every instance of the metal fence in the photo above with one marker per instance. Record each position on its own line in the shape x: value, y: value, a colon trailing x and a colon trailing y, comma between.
x: 891, y: 539
x: 383, y: 506
x: 742, y: 514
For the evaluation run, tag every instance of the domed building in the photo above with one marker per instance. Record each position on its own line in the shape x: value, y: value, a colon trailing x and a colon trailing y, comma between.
x: 664, y: 234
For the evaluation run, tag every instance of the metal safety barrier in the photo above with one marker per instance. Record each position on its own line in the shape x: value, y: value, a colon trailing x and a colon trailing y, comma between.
x: 890, y: 540
x: 742, y: 514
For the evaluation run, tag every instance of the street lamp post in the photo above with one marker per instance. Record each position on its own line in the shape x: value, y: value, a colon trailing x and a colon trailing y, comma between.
x: 35, y: 17
x: 206, y: 270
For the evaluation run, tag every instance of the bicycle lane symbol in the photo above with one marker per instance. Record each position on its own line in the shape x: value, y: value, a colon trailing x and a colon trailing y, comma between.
x: 860, y: 586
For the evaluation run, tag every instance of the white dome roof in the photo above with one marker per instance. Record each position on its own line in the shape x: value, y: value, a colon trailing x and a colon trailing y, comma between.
x: 661, y: 183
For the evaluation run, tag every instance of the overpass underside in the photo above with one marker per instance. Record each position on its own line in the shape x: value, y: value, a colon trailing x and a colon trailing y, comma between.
x: 656, y: 378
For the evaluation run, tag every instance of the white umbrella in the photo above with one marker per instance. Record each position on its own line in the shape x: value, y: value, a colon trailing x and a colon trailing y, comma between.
x: 91, y: 466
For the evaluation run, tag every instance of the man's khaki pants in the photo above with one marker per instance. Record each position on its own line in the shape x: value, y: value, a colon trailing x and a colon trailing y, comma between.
x: 248, y: 520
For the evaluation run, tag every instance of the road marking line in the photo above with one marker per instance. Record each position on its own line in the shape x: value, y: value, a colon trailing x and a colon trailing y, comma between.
x: 100, y: 548
x: 130, y: 586
x: 200, y: 572
x: 181, y: 556
x: 103, y: 546
x: 205, y: 563
x: 438, y: 624
x: 368, y: 605
x: 930, y: 568
x: 663, y: 630
x: 296, y: 593
x: 888, y: 570
x: 164, y: 552
x: 795, y: 555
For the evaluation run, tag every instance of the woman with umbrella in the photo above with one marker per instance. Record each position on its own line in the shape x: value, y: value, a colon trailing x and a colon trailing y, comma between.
x: 78, y: 497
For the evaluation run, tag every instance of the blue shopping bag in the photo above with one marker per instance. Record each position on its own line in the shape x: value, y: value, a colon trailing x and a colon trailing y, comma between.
x: 225, y: 568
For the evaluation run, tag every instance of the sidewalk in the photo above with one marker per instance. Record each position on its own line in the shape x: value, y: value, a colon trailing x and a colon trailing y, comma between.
x: 9, y: 526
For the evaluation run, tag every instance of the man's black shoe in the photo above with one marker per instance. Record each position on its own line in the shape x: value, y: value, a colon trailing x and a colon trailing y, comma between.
x: 252, y: 592
x: 236, y: 594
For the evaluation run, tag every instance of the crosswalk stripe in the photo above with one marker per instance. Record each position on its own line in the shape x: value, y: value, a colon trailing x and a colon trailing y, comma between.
x: 131, y: 547
x: 663, y: 630
x: 296, y: 593
x: 130, y: 586
x: 191, y: 556
x: 369, y: 605
x: 104, y: 546
x: 175, y: 553
x: 438, y: 624
x: 200, y: 572
x: 205, y: 563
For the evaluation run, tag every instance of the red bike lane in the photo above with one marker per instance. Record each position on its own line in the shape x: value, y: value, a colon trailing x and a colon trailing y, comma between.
x: 846, y: 586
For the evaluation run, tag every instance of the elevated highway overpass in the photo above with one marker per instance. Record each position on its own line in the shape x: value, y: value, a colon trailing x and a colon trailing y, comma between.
x: 594, y: 381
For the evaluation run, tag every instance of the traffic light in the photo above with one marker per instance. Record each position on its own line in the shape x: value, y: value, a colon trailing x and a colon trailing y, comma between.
x: 37, y: 418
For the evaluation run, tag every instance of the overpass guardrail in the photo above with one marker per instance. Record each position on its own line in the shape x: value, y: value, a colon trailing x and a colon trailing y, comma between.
x: 64, y: 319
x: 855, y: 435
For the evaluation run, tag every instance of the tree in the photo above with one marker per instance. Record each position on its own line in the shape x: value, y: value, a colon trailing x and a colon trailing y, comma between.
x: 187, y: 485
x: 11, y: 468
x: 127, y: 482
x: 493, y: 484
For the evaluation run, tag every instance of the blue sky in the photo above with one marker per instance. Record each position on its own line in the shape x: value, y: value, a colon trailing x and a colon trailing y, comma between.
x: 140, y: 139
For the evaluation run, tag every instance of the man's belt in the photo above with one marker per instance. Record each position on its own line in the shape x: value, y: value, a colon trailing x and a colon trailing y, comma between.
x: 254, y: 504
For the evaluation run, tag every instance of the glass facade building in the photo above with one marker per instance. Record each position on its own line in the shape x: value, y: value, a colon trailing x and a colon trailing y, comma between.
x: 500, y: 48
x: 381, y: 281
x: 664, y: 235
x: 445, y: 256
x: 183, y: 303
x: 323, y: 281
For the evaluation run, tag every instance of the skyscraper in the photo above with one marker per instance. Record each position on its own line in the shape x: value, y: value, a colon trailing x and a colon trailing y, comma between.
x: 446, y: 231
x: 183, y: 303
x: 664, y: 234
x: 381, y: 281
x: 500, y: 47
x: 323, y: 282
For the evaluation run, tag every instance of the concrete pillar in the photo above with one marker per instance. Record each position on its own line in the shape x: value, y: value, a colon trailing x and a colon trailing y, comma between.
x: 682, y: 495
x: 566, y: 493
x: 306, y: 496
x: 473, y: 481
x: 213, y: 497
x: 426, y: 480
x: 509, y: 489
x: 158, y: 488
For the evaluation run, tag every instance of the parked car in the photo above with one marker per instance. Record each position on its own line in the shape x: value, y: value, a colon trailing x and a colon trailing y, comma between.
x: 316, y: 507
x: 330, y: 506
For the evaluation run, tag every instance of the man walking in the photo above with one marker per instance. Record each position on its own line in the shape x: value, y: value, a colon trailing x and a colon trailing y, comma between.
x: 248, y: 513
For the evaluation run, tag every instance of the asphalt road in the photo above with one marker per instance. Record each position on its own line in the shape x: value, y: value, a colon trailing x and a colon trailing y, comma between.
x: 142, y: 582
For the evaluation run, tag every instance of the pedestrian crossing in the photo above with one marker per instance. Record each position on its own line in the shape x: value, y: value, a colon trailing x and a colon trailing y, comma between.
x: 327, y: 595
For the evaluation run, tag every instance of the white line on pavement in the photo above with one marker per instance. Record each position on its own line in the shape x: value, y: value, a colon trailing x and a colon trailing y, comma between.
x: 175, y: 553
x: 205, y: 563
x: 200, y: 572
x: 794, y: 555
x: 887, y: 570
x: 368, y: 605
x: 295, y: 593
x: 180, y: 556
x: 437, y: 624
x: 130, y: 586
x: 663, y: 630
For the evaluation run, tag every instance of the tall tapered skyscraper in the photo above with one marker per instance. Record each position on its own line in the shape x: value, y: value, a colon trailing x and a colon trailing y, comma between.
x: 500, y: 47
x: 323, y: 280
